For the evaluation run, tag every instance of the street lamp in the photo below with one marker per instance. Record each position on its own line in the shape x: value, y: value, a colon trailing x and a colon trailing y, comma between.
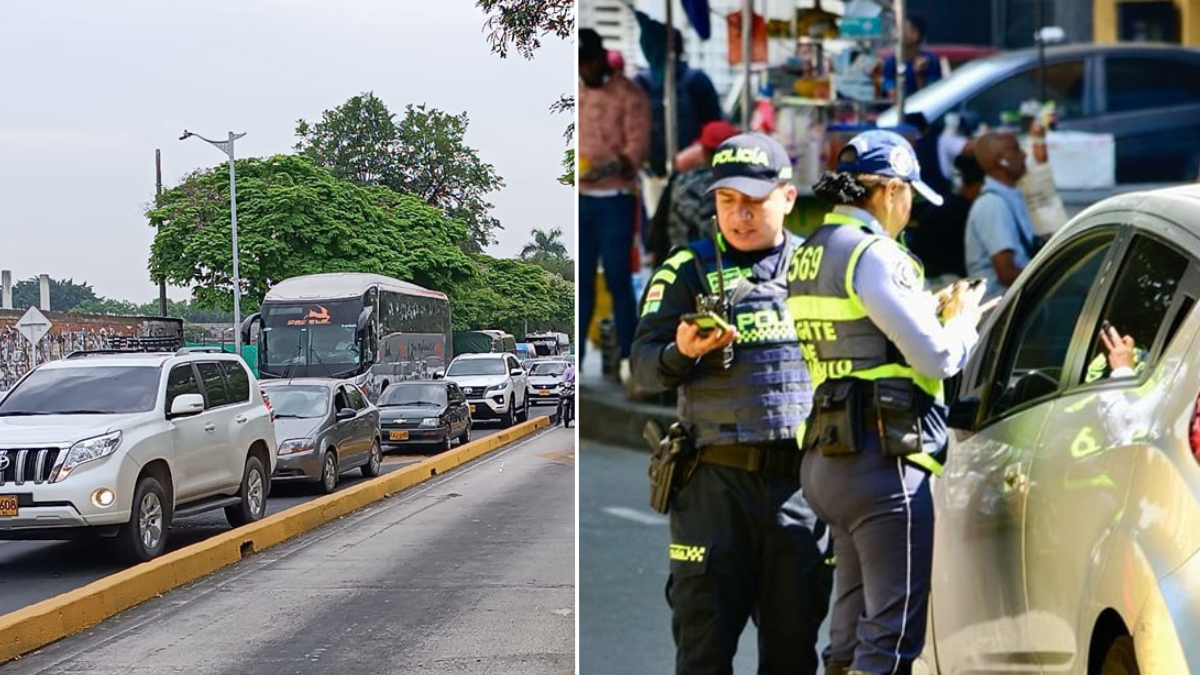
x: 226, y: 146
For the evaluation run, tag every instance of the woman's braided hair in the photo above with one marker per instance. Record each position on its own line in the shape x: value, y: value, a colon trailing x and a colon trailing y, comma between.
x: 842, y: 187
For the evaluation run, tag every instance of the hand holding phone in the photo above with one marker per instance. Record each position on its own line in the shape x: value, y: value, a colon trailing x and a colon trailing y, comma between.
x: 706, y: 322
x: 701, y: 333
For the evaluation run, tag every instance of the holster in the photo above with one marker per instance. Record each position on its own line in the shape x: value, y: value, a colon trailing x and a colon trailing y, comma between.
x: 896, y: 404
x: 672, y: 460
x: 833, y: 426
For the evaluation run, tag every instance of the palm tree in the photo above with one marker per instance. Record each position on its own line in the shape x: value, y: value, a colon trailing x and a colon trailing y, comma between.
x: 544, y: 244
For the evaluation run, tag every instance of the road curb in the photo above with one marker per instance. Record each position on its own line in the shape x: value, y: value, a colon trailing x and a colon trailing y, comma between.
x: 52, y: 619
x: 608, y: 415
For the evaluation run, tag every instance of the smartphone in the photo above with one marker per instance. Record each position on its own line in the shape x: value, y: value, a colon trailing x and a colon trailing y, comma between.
x: 975, y: 282
x: 706, y: 322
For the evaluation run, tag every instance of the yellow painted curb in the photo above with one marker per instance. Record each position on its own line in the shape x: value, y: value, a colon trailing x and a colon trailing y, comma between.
x: 52, y: 619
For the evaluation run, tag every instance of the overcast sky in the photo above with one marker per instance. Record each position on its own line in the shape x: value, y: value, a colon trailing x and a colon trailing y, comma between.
x: 90, y: 89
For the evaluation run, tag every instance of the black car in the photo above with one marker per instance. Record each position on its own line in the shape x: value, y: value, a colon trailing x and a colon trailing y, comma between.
x: 1146, y: 95
x: 431, y: 412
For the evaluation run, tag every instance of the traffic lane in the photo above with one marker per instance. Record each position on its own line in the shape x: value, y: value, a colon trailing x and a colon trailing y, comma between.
x: 471, y: 572
x: 624, y: 620
x: 37, y: 570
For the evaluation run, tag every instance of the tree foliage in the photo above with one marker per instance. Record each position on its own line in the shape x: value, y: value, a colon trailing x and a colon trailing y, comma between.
x: 64, y: 294
x: 295, y: 218
x: 546, y: 242
x: 510, y: 295
x: 424, y: 154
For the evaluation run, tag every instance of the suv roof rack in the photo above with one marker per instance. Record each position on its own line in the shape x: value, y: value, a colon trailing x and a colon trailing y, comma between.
x: 200, y: 350
x: 79, y: 353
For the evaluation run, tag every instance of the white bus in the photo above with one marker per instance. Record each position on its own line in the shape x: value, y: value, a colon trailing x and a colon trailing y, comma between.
x: 368, y: 328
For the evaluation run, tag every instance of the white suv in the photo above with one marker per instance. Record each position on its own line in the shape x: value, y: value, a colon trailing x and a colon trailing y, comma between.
x: 119, y: 444
x: 495, y: 384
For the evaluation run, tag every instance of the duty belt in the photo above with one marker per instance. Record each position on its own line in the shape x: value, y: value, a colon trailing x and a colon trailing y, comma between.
x: 778, y: 461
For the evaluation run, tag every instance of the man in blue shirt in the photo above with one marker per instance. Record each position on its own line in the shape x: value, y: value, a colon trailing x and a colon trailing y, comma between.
x: 999, y: 240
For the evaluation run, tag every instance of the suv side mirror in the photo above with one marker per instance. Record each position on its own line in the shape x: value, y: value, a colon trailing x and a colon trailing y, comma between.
x: 439, y: 374
x: 963, y: 413
x: 186, y: 404
x: 346, y: 414
x: 516, y: 372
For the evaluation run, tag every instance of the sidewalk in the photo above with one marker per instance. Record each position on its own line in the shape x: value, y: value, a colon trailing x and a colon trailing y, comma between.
x: 607, y: 413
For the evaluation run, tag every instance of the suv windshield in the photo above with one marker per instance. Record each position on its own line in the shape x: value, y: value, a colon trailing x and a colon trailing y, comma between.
x: 91, y: 390
x: 477, y: 367
x: 298, y: 400
x: 414, y: 394
x: 548, y: 368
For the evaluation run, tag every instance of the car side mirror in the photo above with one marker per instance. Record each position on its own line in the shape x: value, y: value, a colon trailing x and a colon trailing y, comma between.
x: 438, y: 374
x: 516, y: 372
x: 187, y: 404
x: 963, y: 414
x: 346, y: 414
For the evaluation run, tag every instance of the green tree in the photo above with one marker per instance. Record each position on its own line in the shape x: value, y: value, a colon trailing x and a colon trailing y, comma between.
x: 545, y: 242
x: 296, y: 218
x: 511, y: 295
x: 110, y: 307
x: 64, y: 294
x: 521, y: 24
x: 424, y: 154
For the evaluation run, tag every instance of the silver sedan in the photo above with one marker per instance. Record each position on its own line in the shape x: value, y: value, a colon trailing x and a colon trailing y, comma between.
x: 325, y: 428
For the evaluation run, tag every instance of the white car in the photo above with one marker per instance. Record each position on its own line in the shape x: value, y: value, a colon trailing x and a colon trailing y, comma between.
x: 545, y: 380
x: 118, y: 445
x: 495, y: 384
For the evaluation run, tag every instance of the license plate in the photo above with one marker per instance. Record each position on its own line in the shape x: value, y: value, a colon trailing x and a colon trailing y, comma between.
x: 8, y: 505
x: 472, y: 408
x: 397, y: 435
x: 543, y: 392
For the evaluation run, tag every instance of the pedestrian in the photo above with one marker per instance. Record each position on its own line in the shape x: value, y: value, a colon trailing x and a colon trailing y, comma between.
x: 999, y: 240
x: 921, y: 67
x: 938, y: 238
x: 686, y: 209
x: 614, y: 137
x: 744, y: 542
x: 878, y: 353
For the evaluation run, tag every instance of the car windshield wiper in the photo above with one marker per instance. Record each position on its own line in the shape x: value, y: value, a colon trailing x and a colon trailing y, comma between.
x: 83, y: 411
x: 21, y: 413
x: 289, y: 415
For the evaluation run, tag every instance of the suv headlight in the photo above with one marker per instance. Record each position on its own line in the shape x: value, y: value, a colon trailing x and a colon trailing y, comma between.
x: 295, y: 445
x: 88, y: 450
x: 431, y: 422
x: 496, y: 389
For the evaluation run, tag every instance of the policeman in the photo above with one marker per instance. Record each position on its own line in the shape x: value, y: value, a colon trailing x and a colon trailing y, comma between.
x: 878, y: 353
x: 744, y: 542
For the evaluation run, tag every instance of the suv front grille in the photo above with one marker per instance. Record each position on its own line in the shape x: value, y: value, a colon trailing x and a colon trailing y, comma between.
x: 33, y: 465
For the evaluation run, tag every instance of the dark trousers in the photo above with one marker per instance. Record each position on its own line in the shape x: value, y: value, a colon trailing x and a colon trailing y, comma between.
x: 880, y: 512
x: 606, y: 235
x: 744, y: 546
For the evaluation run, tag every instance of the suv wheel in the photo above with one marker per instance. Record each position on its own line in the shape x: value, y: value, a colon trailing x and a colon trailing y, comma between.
x: 144, y: 537
x: 507, y: 418
x: 525, y: 410
x: 374, y: 465
x: 329, y: 472
x: 253, y: 494
x: 1121, y: 659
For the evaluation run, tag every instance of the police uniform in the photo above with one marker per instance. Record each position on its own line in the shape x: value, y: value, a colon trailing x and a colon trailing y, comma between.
x: 867, y: 327
x: 744, y: 542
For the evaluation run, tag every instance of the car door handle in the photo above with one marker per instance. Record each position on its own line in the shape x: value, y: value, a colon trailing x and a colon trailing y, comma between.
x: 241, y: 419
x: 210, y: 427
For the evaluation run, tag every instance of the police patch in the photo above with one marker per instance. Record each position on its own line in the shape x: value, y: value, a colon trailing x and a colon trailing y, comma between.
x: 656, y: 293
x: 903, y: 162
x: 905, y: 275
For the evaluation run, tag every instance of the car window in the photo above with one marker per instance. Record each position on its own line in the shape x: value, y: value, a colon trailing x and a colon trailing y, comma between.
x: 463, y: 367
x: 1064, y: 85
x: 1138, y: 302
x: 181, y: 380
x: 95, y: 390
x: 238, y: 382
x: 456, y: 394
x: 215, y: 391
x: 355, y: 395
x: 1038, y: 337
x: 339, y: 399
x: 1134, y: 83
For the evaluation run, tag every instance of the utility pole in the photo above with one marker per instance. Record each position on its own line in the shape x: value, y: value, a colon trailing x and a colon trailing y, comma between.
x: 162, y: 282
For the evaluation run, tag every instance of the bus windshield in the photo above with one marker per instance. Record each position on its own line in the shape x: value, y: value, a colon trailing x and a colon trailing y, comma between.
x: 311, y: 340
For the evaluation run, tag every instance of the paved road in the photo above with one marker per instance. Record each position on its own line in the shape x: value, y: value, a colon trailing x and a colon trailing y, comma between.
x: 472, y: 572
x: 624, y: 622
x: 37, y: 570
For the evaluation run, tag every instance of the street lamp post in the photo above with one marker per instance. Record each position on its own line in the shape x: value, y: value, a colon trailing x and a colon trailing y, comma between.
x: 226, y: 146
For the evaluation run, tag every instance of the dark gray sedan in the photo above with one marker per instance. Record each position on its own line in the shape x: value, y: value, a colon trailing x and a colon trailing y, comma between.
x: 432, y: 413
x: 324, y: 427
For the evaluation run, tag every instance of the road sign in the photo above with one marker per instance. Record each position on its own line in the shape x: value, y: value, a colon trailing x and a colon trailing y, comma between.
x: 34, y: 325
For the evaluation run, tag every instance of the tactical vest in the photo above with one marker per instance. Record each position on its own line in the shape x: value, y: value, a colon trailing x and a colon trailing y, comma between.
x: 766, y: 393
x: 837, y: 338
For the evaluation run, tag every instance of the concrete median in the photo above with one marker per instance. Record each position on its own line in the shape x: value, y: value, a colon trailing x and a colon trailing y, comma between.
x: 40, y: 624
